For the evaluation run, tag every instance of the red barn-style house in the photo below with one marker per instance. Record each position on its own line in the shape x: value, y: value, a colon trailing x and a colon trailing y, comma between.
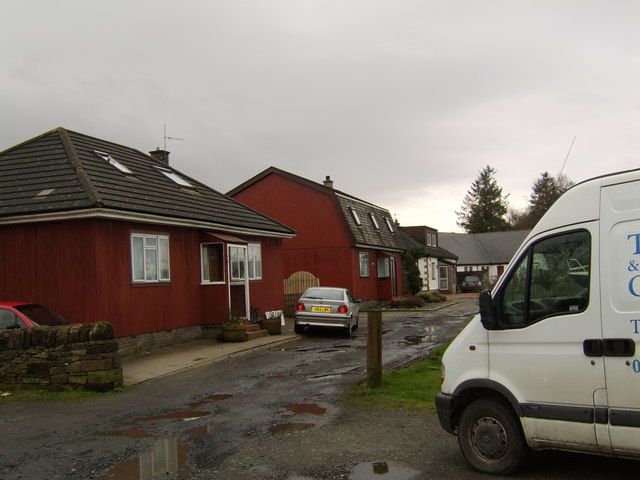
x: 103, y: 232
x: 342, y: 240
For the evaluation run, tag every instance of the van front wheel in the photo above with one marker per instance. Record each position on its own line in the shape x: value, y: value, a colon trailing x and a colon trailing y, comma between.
x: 490, y: 437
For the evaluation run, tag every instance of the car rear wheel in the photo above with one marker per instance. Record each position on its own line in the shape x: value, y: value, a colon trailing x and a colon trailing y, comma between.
x: 349, y: 328
x: 490, y: 437
x: 298, y: 329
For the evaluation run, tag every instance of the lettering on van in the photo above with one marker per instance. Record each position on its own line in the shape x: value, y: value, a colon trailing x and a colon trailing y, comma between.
x: 634, y: 266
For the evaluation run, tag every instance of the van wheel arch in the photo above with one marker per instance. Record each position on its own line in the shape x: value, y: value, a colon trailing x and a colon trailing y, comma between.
x: 472, y: 390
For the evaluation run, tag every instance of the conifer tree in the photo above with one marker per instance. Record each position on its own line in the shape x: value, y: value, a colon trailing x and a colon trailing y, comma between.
x: 484, y: 208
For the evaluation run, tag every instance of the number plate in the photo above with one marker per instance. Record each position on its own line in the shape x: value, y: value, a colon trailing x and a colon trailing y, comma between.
x: 321, y: 309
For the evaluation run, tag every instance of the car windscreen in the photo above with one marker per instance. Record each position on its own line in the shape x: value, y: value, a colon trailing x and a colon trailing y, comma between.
x: 324, y: 294
x: 41, y: 315
x: 471, y: 279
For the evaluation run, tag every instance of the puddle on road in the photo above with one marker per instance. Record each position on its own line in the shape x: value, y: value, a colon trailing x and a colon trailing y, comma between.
x: 375, y: 470
x: 216, y: 397
x: 131, y: 433
x: 290, y: 427
x: 201, y: 431
x: 414, y: 339
x: 180, y: 415
x: 309, y: 408
x: 167, y: 456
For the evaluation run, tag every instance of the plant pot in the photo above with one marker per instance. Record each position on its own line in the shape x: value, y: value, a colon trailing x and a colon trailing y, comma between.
x: 271, y: 325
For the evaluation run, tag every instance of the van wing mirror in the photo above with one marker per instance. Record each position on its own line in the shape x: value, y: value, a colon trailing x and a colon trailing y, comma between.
x: 487, y: 310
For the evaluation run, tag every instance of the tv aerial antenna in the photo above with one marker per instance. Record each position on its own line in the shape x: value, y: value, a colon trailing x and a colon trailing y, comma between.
x: 567, y: 157
x: 165, y: 137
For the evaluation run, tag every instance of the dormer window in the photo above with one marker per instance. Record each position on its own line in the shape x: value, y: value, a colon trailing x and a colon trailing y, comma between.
x: 386, y: 219
x: 355, y: 216
x: 374, y: 221
x: 113, y: 162
x: 173, y: 176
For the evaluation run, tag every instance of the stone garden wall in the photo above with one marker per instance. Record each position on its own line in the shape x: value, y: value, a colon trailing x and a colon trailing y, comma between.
x: 83, y: 355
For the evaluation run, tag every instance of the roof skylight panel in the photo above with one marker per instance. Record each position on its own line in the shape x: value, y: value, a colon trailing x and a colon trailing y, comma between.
x: 173, y: 176
x: 386, y: 219
x: 374, y: 220
x: 113, y: 162
x: 355, y: 216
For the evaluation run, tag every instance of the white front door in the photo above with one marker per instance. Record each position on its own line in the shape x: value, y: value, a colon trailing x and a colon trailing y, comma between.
x: 238, y: 281
x: 546, y: 313
x: 620, y: 283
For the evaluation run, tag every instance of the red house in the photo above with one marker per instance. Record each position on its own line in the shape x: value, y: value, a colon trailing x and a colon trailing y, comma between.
x: 100, y: 231
x: 341, y: 239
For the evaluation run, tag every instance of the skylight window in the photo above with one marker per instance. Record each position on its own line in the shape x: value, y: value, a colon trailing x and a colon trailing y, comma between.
x: 113, y: 162
x: 386, y: 219
x: 375, y: 221
x: 355, y: 216
x: 45, y: 192
x: 174, y: 176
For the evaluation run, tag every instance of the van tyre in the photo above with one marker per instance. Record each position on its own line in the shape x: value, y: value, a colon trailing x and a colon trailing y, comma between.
x: 490, y: 437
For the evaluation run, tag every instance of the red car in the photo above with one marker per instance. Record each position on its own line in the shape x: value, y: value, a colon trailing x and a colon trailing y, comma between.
x: 25, y: 315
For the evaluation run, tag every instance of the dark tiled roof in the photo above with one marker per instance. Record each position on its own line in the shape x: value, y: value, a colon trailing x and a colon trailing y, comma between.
x: 365, y: 234
x: 66, y: 164
x: 489, y: 248
x: 419, y: 234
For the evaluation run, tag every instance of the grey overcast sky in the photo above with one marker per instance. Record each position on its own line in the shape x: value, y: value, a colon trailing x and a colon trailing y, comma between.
x: 401, y: 102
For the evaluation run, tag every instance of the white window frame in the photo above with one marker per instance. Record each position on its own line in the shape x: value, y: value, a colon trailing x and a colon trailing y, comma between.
x: 434, y: 240
x: 361, y: 256
x: 173, y: 176
x: 385, y: 271
x: 374, y: 220
x: 242, y: 260
x: 113, y: 162
x: 147, y: 246
x: 356, y: 217
x: 386, y: 219
x: 254, y: 258
x: 204, y: 281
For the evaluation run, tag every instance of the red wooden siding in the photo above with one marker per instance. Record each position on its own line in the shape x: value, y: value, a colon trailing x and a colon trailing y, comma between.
x: 314, y: 215
x: 323, y: 245
x: 82, y: 269
x: 52, y: 264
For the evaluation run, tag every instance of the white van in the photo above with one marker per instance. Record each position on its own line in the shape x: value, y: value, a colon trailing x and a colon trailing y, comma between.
x: 550, y: 361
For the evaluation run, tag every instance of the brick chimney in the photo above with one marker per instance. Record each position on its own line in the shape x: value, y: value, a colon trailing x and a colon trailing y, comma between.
x: 160, y: 156
x: 328, y: 182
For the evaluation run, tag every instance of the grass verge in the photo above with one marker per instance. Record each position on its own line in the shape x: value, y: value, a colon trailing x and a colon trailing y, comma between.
x: 413, y: 387
x: 25, y: 394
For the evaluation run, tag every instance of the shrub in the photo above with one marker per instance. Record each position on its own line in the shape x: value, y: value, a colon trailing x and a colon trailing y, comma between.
x: 407, y: 301
x: 431, y: 297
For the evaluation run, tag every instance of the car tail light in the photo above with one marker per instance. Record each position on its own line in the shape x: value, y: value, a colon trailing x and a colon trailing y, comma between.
x: 300, y: 307
x: 342, y: 309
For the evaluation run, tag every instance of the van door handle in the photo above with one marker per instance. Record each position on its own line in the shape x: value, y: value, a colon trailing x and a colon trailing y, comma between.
x: 592, y: 347
x: 618, y: 347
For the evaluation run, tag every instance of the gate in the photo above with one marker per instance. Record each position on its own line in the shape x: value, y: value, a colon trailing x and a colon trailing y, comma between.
x: 294, y: 286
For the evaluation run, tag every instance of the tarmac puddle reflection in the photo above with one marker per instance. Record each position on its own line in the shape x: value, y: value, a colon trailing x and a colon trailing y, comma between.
x: 216, y: 397
x: 167, y: 456
x: 290, y: 427
x: 374, y: 470
x: 302, y: 408
x: 200, y: 431
x: 181, y: 415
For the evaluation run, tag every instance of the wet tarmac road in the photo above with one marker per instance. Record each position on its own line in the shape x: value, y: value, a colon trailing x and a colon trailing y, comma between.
x: 273, y: 414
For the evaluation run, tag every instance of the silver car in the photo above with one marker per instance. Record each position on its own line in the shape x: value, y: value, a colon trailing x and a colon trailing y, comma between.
x: 327, y: 307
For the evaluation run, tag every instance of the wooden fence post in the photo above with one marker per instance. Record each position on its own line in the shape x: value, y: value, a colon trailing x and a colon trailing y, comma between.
x: 374, y: 348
